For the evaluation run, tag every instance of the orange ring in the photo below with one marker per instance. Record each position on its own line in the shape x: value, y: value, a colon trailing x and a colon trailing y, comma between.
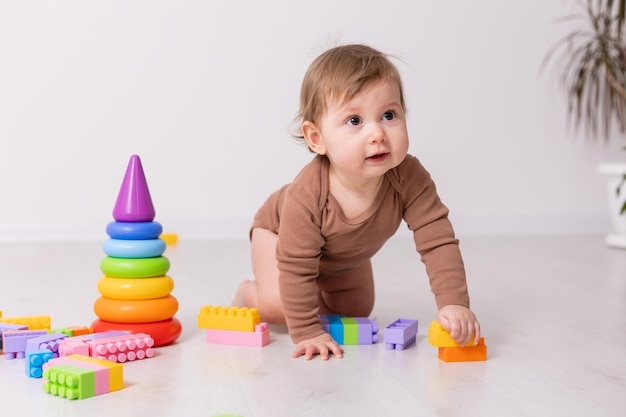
x: 163, y: 332
x: 135, y: 288
x: 136, y: 311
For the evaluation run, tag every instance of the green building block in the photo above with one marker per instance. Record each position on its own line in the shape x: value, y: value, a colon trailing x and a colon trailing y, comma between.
x: 69, y: 382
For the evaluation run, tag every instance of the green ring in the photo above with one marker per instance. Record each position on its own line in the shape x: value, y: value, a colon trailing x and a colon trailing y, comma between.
x: 135, y: 268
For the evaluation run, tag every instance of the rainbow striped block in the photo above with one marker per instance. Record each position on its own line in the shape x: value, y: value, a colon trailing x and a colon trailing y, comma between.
x: 350, y: 330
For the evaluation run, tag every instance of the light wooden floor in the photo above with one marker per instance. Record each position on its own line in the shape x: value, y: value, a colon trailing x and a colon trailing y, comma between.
x: 553, y: 310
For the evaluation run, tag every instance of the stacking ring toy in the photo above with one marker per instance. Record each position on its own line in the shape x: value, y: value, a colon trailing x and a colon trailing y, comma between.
x: 136, y: 311
x: 135, y: 288
x: 163, y: 332
x: 126, y: 248
x: 135, y: 268
x: 134, y: 230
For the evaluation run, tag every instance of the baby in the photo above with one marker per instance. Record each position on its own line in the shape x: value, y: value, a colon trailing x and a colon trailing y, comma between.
x: 313, y: 239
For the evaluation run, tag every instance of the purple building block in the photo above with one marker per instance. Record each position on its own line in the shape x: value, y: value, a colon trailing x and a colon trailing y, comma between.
x: 400, y: 334
x: 8, y: 326
x: 47, y: 341
x: 14, y: 342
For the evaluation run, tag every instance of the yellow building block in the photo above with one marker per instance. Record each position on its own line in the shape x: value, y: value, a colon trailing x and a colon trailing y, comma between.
x: 169, y: 238
x: 241, y: 319
x: 33, y: 322
x: 439, y: 337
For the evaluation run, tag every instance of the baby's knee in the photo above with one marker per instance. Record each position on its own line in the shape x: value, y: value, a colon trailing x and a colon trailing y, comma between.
x: 271, y: 312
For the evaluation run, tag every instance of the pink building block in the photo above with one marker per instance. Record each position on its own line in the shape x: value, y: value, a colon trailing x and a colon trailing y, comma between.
x: 78, y: 344
x: 129, y: 347
x: 112, y: 346
x: 258, y: 338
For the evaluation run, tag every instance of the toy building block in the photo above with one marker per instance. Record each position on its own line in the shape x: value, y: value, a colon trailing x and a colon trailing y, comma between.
x: 240, y: 319
x: 77, y: 344
x: 14, y: 342
x: 33, y: 322
x: 129, y: 347
x: 464, y: 353
x: 258, y: 338
x: 350, y: 330
x: 8, y: 326
x: 47, y: 341
x: 74, y: 331
x: 69, y: 382
x: 400, y: 334
x: 108, y: 375
x: 440, y: 337
x: 34, y: 362
x: 169, y: 238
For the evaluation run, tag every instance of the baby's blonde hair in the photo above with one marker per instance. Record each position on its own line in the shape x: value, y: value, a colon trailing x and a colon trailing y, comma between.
x: 339, y: 74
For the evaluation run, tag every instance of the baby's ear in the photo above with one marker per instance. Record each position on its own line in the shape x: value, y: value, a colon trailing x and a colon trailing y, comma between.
x: 313, y: 138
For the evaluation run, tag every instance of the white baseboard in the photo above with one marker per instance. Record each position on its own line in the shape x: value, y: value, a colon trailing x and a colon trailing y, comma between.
x: 237, y: 228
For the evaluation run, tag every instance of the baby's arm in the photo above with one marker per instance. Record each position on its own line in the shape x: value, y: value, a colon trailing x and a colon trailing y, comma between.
x: 461, y: 322
x: 321, y: 345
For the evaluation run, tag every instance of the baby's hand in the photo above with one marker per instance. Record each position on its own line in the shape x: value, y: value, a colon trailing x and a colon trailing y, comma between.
x: 320, y: 345
x: 460, y: 322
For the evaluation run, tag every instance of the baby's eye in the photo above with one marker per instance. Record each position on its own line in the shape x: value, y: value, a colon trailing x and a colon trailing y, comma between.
x: 389, y: 115
x: 354, y: 120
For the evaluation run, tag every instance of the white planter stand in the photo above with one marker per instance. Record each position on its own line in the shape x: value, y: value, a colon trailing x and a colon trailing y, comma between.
x: 613, y: 173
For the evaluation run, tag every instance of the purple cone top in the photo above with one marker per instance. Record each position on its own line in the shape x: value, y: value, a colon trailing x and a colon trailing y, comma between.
x: 134, y: 203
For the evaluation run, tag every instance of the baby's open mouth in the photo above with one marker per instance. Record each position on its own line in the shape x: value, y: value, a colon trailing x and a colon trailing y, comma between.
x: 378, y: 157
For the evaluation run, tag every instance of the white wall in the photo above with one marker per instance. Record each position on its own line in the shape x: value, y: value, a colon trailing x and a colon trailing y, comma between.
x: 205, y: 93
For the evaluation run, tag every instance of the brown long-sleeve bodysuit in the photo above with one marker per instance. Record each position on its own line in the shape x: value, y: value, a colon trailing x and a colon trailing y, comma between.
x: 315, y: 239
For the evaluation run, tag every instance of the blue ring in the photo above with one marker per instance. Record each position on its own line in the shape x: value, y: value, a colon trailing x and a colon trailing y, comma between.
x: 134, y: 230
x: 124, y: 248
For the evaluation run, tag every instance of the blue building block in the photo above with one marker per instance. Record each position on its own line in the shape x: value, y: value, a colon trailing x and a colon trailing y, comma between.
x: 400, y: 334
x: 34, y: 361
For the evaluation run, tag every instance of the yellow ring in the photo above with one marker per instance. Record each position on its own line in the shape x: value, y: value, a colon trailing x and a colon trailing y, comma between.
x: 135, y: 288
x: 136, y: 311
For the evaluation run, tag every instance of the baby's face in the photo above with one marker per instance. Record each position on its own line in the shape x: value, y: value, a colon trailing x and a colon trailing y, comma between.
x: 365, y: 136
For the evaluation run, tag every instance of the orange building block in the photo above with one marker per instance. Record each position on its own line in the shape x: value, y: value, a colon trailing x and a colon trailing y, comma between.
x: 465, y: 353
x: 241, y: 319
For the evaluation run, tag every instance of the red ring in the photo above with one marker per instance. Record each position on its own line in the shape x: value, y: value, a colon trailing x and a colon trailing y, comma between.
x: 163, y: 332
